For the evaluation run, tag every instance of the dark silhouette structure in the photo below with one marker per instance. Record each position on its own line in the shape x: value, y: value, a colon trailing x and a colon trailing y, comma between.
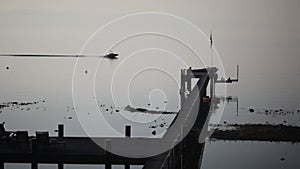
x: 187, y: 153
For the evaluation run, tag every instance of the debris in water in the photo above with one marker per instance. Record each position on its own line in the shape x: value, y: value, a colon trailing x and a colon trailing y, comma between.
x: 251, y: 110
x: 143, y: 110
x: 2, y: 106
x: 19, y: 105
x: 282, y: 159
x: 154, y: 132
x: 7, y: 67
x: 85, y: 71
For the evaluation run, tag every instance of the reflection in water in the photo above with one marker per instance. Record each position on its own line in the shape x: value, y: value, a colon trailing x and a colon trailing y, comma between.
x: 249, y: 155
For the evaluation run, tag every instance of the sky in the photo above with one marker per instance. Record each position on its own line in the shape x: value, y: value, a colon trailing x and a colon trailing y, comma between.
x: 255, y: 34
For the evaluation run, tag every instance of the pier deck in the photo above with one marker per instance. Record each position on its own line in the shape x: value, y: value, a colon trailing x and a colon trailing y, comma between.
x: 74, y: 150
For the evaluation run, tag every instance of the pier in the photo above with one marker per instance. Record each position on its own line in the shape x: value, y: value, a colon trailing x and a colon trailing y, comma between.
x: 60, y: 150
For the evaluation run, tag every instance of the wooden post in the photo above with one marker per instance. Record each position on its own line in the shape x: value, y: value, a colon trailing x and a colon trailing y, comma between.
x: 212, y: 85
x: 34, y: 165
x: 60, y: 166
x: 1, y: 165
x: 107, y: 166
x: 127, y: 166
x: 60, y: 130
x: 182, y: 87
x: 107, y: 146
x: 128, y: 131
x: 107, y: 154
x: 189, y: 80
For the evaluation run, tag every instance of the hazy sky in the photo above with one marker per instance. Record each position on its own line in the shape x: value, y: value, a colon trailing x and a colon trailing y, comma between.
x: 260, y: 34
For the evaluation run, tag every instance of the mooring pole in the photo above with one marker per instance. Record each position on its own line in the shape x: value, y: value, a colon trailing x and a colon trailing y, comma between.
x: 34, y: 165
x: 182, y: 87
x: 107, y: 153
x: 60, y: 166
x: 60, y: 130
x: 1, y: 165
x: 107, y: 166
x: 127, y: 166
x: 212, y: 86
x: 128, y: 131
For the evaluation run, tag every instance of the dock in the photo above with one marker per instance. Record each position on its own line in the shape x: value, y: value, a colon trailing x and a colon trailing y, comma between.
x: 184, y: 133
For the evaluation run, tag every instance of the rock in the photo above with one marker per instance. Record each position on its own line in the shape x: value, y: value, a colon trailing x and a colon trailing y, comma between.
x: 251, y: 110
x: 154, y: 132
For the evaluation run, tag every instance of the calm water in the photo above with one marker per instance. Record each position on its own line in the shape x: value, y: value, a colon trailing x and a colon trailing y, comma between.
x: 50, y: 83
x: 246, y: 155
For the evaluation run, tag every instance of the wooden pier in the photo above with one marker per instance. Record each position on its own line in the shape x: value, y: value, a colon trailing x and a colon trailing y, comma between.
x: 74, y: 150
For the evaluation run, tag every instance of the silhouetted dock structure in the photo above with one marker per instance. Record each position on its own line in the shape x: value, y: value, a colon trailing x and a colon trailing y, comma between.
x: 74, y: 150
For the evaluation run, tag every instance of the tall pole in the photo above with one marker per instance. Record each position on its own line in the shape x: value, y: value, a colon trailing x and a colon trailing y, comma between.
x: 212, y: 83
x: 211, y: 49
